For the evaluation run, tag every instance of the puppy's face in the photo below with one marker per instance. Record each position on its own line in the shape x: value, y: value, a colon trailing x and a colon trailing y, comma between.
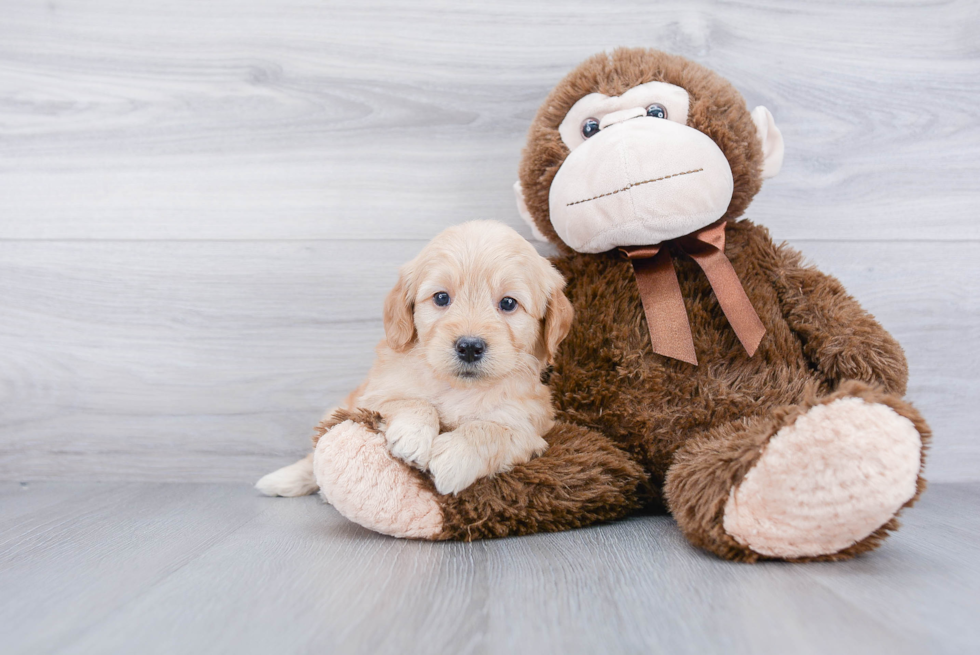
x: 480, y: 304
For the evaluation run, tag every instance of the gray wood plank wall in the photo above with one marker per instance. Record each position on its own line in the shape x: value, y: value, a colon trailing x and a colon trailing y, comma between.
x: 202, y: 204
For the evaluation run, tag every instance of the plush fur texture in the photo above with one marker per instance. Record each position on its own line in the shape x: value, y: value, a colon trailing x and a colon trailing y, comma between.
x: 370, y: 419
x: 640, y: 431
x: 707, y: 469
x: 581, y: 479
x: 827, y: 481
x: 400, y: 506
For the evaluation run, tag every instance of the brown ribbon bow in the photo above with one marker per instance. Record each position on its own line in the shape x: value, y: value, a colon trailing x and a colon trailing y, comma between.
x: 663, y: 304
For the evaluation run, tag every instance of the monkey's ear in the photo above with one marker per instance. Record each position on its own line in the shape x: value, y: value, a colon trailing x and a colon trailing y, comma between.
x: 399, y: 319
x: 525, y: 214
x: 770, y: 139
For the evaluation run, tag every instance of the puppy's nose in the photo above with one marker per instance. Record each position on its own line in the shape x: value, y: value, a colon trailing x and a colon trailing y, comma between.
x: 470, y: 349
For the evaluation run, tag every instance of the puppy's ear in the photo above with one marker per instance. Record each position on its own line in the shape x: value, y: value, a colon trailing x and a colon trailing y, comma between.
x: 557, y: 322
x: 398, y: 315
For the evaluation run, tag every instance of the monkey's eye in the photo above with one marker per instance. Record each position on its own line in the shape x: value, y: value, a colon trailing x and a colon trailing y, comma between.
x: 508, y: 304
x: 442, y: 299
x: 590, y: 127
x: 657, y: 110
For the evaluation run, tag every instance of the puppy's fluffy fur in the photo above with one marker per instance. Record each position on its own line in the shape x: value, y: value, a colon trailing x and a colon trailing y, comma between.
x: 461, y: 420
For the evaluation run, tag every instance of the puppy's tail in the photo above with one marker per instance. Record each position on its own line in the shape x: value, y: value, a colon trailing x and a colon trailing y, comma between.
x: 290, y: 481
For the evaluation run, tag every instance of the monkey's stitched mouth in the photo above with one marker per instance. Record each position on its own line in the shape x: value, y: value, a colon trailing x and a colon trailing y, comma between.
x: 630, y: 186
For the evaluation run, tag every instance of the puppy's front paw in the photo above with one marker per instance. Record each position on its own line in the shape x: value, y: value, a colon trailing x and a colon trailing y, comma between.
x: 454, y: 466
x: 411, y: 441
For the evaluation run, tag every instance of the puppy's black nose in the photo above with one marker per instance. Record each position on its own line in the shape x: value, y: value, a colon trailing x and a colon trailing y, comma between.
x: 470, y: 349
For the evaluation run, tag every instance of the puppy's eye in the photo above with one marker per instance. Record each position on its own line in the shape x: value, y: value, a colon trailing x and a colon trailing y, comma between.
x: 590, y: 127
x: 442, y: 299
x: 657, y: 110
x: 508, y: 304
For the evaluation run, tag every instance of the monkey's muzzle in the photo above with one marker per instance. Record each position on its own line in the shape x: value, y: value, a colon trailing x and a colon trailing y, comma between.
x: 639, y: 182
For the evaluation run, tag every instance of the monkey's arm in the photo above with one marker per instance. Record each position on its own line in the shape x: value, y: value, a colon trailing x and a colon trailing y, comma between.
x: 582, y: 478
x: 840, y: 338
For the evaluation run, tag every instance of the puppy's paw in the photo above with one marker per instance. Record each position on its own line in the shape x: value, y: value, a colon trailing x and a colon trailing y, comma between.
x: 411, y: 440
x: 534, y: 447
x: 454, y: 465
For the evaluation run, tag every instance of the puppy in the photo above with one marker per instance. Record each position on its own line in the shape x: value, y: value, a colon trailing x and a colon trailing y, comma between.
x: 470, y: 327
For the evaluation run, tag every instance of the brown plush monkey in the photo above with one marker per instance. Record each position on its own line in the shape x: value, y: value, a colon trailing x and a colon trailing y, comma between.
x: 709, y: 371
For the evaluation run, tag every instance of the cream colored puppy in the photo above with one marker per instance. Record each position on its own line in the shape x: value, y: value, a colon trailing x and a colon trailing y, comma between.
x: 470, y: 327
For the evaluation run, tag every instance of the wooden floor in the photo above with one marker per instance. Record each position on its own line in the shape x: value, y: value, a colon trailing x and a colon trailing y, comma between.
x: 187, y: 568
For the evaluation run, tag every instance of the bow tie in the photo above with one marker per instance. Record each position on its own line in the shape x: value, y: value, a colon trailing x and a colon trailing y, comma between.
x: 663, y: 304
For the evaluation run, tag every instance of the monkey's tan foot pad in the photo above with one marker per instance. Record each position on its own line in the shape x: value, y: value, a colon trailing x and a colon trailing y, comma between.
x: 359, y: 477
x: 827, y: 481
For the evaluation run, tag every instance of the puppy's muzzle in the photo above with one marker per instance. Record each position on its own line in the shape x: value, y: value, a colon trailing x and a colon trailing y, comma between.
x: 470, y: 349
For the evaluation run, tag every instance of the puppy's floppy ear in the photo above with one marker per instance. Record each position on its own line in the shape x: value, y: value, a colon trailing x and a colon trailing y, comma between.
x: 557, y: 322
x: 399, y: 319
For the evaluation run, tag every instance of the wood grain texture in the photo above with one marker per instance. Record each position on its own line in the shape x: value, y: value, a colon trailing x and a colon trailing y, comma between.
x: 293, y: 120
x: 202, y: 205
x: 214, y: 360
x: 182, y: 568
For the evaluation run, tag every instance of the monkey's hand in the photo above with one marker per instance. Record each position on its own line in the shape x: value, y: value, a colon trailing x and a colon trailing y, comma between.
x: 840, y: 338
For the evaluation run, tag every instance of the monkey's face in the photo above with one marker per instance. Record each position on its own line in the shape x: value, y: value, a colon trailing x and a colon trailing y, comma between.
x: 636, y: 174
x: 654, y: 162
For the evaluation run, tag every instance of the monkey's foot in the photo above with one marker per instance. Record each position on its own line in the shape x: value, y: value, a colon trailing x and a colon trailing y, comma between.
x: 826, y: 482
x: 360, y: 478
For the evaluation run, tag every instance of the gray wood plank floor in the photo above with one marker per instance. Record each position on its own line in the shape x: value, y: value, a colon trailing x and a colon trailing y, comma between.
x: 186, y: 568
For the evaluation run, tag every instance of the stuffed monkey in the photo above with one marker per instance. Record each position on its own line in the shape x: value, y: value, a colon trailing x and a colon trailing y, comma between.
x: 709, y: 372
